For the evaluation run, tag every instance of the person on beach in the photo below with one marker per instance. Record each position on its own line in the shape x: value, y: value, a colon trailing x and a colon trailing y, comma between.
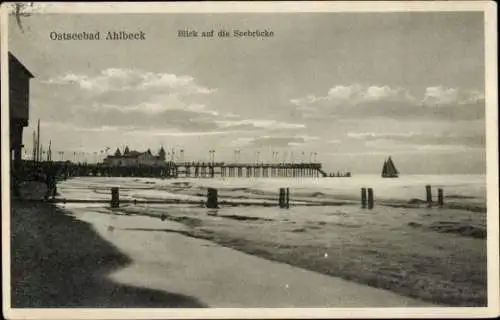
x: 38, y: 175
x: 51, y: 183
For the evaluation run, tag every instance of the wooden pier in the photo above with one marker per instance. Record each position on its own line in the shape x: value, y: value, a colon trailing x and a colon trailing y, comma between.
x: 185, y: 170
x: 248, y: 170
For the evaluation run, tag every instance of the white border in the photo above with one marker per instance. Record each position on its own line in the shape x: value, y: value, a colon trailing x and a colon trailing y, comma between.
x: 263, y: 6
x: 489, y: 7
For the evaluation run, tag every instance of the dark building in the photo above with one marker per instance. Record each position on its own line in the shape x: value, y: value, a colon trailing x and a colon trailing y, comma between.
x: 135, y: 158
x: 19, y: 89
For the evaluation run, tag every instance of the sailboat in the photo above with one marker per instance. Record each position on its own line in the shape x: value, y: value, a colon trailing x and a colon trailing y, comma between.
x: 389, y: 169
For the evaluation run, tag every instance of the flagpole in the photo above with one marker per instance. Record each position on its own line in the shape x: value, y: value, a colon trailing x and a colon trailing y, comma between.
x: 49, y: 154
x: 38, y: 155
x: 34, y: 147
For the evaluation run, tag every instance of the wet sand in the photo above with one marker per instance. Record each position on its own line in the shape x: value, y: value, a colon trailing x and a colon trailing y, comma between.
x: 413, y: 252
x: 59, y: 261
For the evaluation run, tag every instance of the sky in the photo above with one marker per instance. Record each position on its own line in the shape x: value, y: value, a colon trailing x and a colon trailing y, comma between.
x: 346, y: 89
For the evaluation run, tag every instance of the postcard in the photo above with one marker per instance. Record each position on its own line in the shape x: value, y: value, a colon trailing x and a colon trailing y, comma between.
x: 249, y: 160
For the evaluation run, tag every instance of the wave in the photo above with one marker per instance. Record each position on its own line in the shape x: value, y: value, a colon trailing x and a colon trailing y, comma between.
x: 405, y: 193
x: 455, y: 227
x: 245, y: 192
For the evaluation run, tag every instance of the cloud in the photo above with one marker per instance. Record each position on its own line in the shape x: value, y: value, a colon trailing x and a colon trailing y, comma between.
x: 389, y: 146
x: 356, y: 94
x: 444, y: 148
x: 334, y: 141
x: 259, y: 123
x: 439, y: 96
x: 175, y: 114
x: 273, y: 141
x: 415, y: 139
x: 341, y: 92
x: 119, y: 97
x: 116, y: 79
x: 180, y: 119
x: 177, y: 133
x: 157, y: 107
x: 351, y: 101
x: 378, y: 135
x: 71, y: 127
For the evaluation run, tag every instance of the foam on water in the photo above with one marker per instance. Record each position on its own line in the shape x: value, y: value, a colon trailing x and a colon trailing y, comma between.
x: 457, y: 188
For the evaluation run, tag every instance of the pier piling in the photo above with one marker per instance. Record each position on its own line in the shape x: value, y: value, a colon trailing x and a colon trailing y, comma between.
x: 363, y: 198
x: 370, y: 198
x: 440, y: 197
x: 287, y: 198
x: 115, y: 197
x: 428, y: 191
x: 283, y: 198
x: 212, y: 202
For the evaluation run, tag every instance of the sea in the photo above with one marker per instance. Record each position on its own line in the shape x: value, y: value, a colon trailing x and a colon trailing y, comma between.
x: 467, y: 190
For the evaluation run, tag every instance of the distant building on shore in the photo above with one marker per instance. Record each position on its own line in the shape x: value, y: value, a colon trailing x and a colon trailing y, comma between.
x: 134, y: 158
x: 19, y: 102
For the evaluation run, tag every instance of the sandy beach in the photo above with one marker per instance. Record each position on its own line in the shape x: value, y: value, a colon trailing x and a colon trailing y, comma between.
x: 59, y: 261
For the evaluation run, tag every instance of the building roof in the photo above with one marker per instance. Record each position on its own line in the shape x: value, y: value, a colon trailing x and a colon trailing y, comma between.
x: 14, y: 61
x: 130, y: 154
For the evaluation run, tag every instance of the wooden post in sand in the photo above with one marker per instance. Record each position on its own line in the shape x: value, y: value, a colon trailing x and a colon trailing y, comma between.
x: 115, y: 197
x: 363, y: 198
x: 212, y: 202
x: 370, y: 198
x: 440, y: 197
x: 428, y: 191
x: 282, y: 198
x: 287, y: 198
